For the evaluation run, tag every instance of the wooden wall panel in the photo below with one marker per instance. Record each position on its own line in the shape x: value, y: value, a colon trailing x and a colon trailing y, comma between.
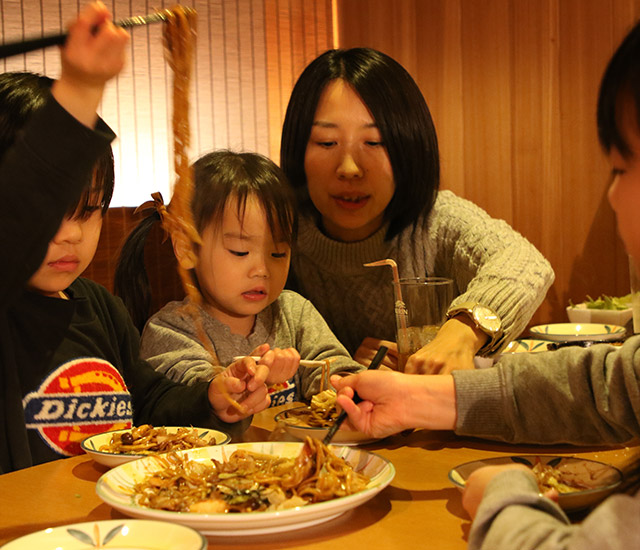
x: 512, y: 87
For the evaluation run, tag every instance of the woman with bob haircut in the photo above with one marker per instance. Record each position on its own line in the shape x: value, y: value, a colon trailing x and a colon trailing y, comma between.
x: 360, y: 149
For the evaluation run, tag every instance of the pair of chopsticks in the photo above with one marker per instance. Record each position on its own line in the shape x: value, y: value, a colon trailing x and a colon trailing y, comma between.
x: 375, y: 363
x: 24, y: 46
x: 303, y: 362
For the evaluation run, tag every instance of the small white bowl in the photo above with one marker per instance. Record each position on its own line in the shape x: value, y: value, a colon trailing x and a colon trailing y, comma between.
x: 91, y: 445
x: 570, y: 332
x: 580, y: 313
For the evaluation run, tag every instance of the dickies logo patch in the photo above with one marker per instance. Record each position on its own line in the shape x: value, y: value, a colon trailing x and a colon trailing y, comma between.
x: 80, y: 398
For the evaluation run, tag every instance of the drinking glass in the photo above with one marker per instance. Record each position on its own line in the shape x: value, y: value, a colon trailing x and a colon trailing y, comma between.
x: 425, y: 301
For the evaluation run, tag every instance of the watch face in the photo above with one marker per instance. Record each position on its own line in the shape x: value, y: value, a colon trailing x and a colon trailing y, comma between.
x: 486, y: 318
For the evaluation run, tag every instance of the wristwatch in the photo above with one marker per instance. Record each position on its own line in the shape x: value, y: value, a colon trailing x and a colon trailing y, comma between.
x: 484, y: 318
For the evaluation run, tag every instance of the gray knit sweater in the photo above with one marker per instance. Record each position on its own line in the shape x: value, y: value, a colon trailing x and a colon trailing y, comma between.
x: 170, y: 343
x: 573, y: 395
x: 489, y: 262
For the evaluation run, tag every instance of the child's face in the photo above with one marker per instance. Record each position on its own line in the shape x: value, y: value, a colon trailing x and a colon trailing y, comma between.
x: 624, y: 193
x: 69, y: 254
x: 241, y: 270
x: 349, y: 174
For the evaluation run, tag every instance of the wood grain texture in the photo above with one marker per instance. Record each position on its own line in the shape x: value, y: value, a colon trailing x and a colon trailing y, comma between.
x: 512, y: 87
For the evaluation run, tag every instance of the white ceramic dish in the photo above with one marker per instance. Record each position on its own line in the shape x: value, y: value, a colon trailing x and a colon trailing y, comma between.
x: 526, y: 345
x: 342, y: 437
x: 580, y: 313
x: 608, y: 476
x: 115, y: 488
x: 115, y: 534
x: 567, y: 332
x: 92, y: 445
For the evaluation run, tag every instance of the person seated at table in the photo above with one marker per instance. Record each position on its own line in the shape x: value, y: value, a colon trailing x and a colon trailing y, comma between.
x: 245, y: 212
x: 360, y: 148
x: 573, y: 395
x: 69, y: 352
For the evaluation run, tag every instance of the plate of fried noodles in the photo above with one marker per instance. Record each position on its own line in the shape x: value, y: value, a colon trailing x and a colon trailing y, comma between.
x: 315, y: 419
x: 581, y: 483
x: 247, y: 488
x: 119, y: 446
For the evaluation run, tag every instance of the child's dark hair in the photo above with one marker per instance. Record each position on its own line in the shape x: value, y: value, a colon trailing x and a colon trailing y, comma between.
x: 21, y: 95
x: 218, y: 177
x: 620, y: 84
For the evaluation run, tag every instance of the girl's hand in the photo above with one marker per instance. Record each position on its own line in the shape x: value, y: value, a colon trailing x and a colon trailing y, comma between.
x: 282, y: 363
x: 243, y: 381
x: 478, y: 481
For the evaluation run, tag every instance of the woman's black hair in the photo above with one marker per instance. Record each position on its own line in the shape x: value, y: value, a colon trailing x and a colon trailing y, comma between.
x: 620, y: 84
x: 21, y: 95
x: 218, y: 177
x: 400, y: 112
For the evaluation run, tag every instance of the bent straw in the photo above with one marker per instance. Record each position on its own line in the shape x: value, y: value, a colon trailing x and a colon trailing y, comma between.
x: 401, y: 312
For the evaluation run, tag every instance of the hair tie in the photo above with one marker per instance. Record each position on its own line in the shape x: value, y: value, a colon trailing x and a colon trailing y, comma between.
x: 156, y: 204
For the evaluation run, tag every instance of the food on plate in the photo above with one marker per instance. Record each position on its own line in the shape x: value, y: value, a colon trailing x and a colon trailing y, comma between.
x: 607, y: 302
x: 571, y: 477
x: 321, y: 413
x: 147, y: 440
x: 249, y: 482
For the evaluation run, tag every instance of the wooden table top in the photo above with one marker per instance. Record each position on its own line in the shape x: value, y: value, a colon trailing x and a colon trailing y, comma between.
x: 420, y: 504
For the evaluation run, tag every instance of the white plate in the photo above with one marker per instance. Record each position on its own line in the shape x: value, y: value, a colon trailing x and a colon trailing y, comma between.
x: 92, y: 444
x: 113, y: 533
x: 566, y: 332
x: 609, y: 476
x: 526, y: 345
x: 115, y: 488
x: 341, y: 437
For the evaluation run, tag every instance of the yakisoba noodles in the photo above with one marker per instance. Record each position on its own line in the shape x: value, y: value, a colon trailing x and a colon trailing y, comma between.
x: 250, y: 482
x: 569, y: 478
x: 321, y: 413
x: 177, y: 220
x: 147, y: 440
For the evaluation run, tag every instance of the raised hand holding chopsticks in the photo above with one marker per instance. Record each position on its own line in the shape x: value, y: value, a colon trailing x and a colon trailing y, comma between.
x: 58, y: 39
x: 375, y: 363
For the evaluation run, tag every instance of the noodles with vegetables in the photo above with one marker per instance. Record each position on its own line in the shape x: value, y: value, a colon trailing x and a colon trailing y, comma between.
x: 147, y: 440
x: 250, y: 482
x: 322, y: 412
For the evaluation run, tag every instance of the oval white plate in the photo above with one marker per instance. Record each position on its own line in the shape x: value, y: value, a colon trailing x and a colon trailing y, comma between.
x: 92, y: 444
x: 526, y: 345
x: 566, y: 332
x: 341, y: 437
x: 611, y: 476
x: 113, y: 533
x: 115, y: 488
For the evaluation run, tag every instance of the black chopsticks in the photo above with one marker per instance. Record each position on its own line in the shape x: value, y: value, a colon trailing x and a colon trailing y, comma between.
x: 24, y: 46
x: 375, y: 363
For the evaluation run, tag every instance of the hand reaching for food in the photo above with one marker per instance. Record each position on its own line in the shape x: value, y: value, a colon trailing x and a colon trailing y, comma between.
x: 240, y: 390
x: 282, y: 363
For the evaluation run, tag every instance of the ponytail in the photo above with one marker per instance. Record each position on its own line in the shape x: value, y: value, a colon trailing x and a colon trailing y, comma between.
x: 131, y: 282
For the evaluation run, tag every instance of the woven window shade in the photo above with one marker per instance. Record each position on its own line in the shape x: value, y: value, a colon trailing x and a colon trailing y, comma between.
x: 249, y: 53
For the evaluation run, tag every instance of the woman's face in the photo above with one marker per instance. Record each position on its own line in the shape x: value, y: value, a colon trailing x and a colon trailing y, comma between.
x: 624, y: 193
x: 349, y: 175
